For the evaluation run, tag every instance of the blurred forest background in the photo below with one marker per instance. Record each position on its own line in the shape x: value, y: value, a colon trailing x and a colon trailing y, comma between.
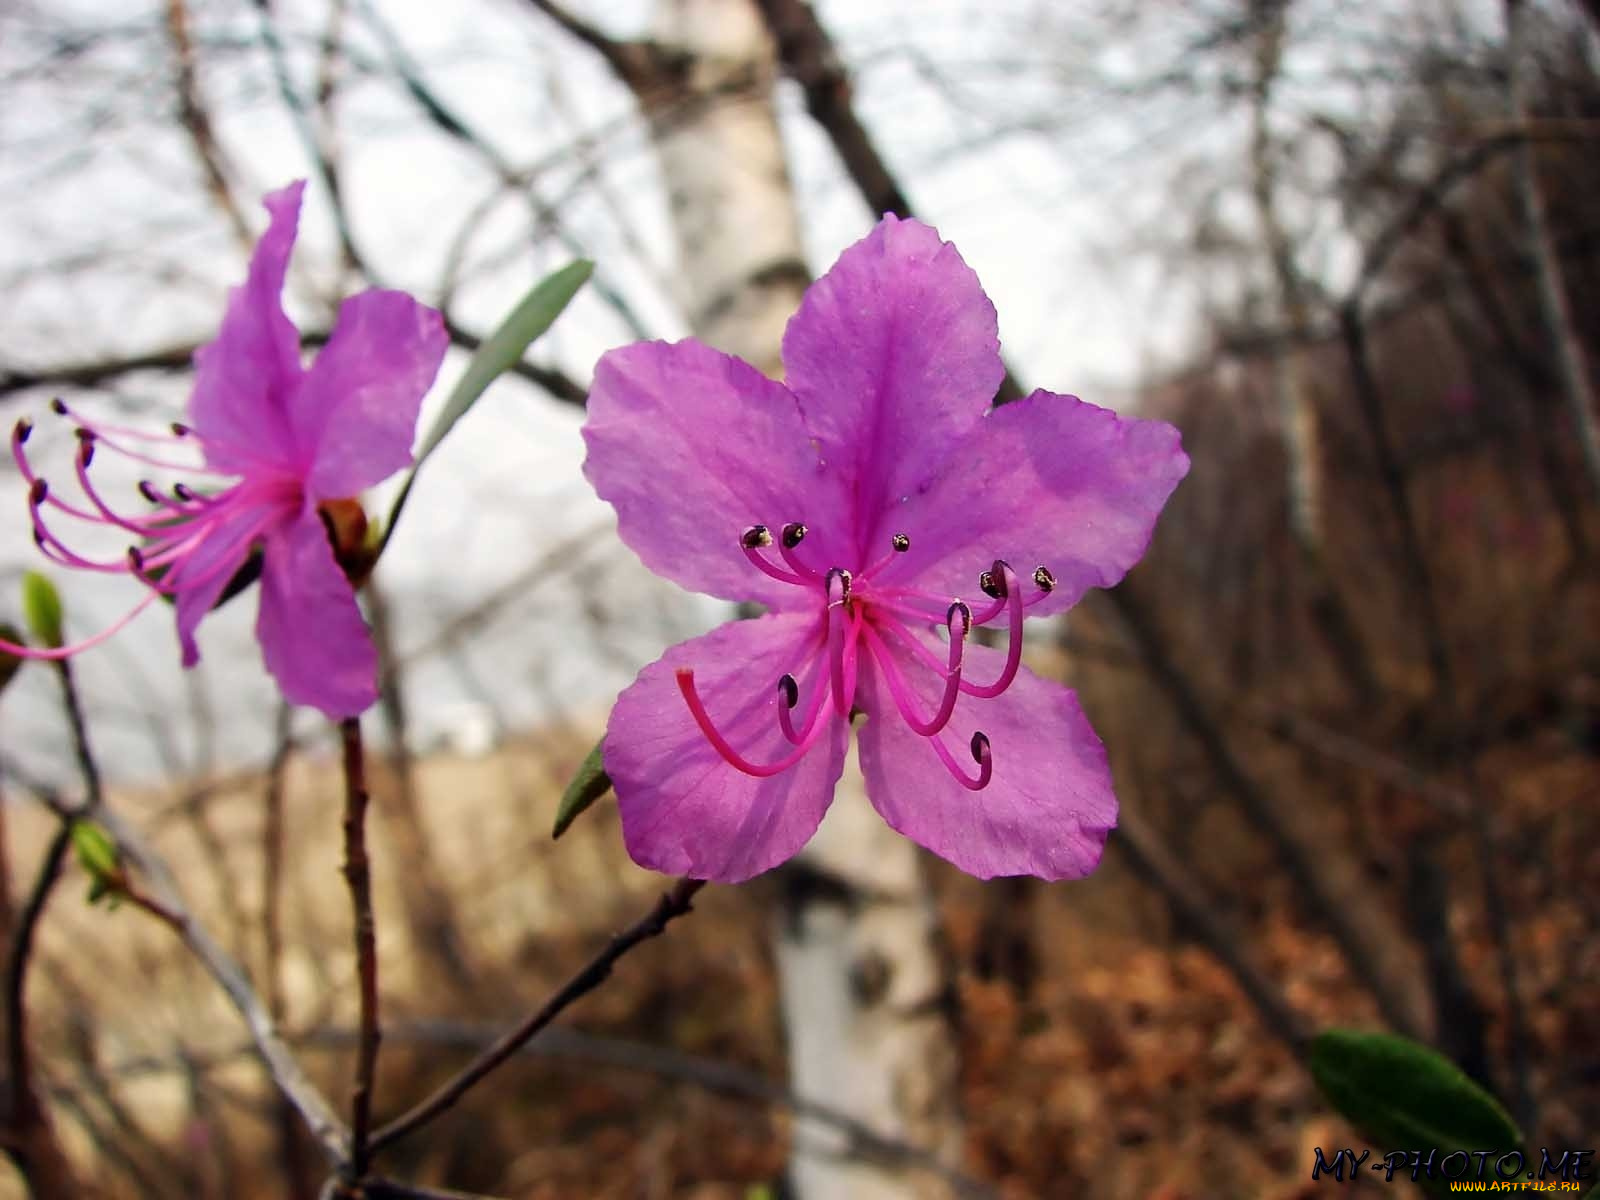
x: 1352, y: 696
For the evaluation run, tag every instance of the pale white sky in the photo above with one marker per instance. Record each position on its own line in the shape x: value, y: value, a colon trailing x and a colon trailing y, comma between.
x: 1056, y: 191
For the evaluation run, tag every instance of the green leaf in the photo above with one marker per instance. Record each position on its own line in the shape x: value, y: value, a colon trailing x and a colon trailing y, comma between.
x: 501, y: 350
x: 588, y: 785
x: 1404, y: 1096
x: 41, y: 609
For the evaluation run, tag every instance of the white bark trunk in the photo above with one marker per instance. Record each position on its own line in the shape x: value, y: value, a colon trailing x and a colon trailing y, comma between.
x: 862, y: 982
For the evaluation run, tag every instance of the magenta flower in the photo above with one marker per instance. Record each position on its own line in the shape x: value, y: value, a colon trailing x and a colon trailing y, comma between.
x: 295, y: 444
x: 881, y: 509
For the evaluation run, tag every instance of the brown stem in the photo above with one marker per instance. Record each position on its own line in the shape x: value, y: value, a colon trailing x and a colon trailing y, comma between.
x: 29, y: 1140
x: 358, y: 874
x: 671, y: 905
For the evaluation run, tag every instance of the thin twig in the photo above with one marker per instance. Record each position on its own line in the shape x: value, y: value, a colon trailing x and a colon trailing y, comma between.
x: 24, y: 1115
x: 1153, y: 859
x: 196, y: 121
x: 82, y: 750
x: 93, y: 373
x: 1555, y: 307
x: 671, y: 905
x: 358, y: 874
x: 167, y: 904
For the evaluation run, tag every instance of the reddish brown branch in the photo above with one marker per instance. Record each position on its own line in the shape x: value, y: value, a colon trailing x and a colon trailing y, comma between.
x: 670, y: 906
x: 358, y: 874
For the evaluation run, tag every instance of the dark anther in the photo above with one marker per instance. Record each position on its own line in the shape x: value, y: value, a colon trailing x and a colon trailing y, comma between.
x: 136, y: 559
x: 793, y: 534
x: 790, y: 690
x: 993, y: 581
x: 58, y: 406
x: 755, y: 537
x: 183, y: 491
x: 86, y: 447
x: 1044, y: 580
x: 179, y: 429
x: 959, y: 606
x: 901, y: 543
x: 22, y: 430
x: 38, y: 492
x: 844, y: 580
x: 980, y: 746
x: 148, y: 491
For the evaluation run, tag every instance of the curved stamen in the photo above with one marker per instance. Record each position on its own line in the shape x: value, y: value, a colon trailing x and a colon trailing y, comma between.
x: 99, y: 428
x: 752, y: 541
x: 59, y: 652
x: 903, y: 699
x: 1005, y: 581
x: 139, y: 525
x: 691, y: 697
x: 793, y: 534
x: 981, y: 753
x: 898, y: 545
x: 788, y: 698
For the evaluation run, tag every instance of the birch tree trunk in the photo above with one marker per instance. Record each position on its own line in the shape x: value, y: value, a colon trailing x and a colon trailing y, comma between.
x: 863, y: 984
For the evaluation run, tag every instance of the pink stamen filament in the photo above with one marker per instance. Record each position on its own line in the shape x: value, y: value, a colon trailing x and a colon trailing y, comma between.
x: 1013, y: 600
x: 903, y: 699
x: 980, y: 751
x: 59, y: 652
x: 685, y: 677
x: 842, y: 634
x: 802, y: 571
x: 768, y: 568
x: 819, y: 702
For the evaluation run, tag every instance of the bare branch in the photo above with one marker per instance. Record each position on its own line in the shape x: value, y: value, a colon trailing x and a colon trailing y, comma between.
x: 358, y: 874
x: 196, y: 121
x: 670, y: 906
x: 286, y: 1073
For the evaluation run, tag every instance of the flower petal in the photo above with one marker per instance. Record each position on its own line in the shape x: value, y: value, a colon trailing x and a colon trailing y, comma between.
x: 894, y: 356
x: 212, y: 565
x: 244, y: 377
x: 1048, y: 806
x: 1045, y: 481
x: 312, y: 636
x: 693, y: 447
x: 685, y: 810
x: 354, y: 415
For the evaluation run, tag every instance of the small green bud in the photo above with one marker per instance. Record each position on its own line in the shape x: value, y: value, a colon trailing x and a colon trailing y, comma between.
x: 97, y: 855
x: 41, y: 608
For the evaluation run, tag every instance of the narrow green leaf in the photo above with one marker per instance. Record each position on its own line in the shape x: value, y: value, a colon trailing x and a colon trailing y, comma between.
x: 1404, y: 1096
x: 500, y: 351
x: 41, y: 609
x: 588, y: 785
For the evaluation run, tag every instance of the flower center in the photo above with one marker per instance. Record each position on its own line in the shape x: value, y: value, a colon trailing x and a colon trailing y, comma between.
x: 861, y: 611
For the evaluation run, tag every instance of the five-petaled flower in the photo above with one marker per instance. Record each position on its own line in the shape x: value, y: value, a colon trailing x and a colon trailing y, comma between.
x: 296, y: 443
x: 881, y: 509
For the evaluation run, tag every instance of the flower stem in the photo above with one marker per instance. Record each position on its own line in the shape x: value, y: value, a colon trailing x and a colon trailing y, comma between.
x: 358, y: 874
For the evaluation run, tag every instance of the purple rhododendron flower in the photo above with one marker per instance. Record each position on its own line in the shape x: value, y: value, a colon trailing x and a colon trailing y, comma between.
x: 297, y: 443
x: 881, y: 509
